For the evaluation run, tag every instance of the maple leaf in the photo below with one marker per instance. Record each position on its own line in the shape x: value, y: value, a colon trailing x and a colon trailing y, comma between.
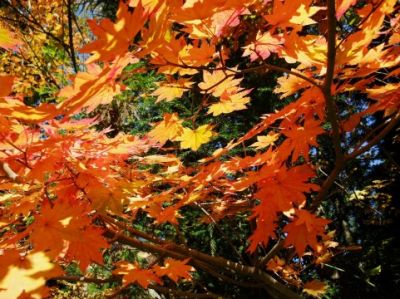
x: 125, y: 145
x: 105, y: 193
x: 7, y: 41
x: 148, y: 5
x: 198, y: 10
x: 174, y: 269
x: 289, y: 85
x: 95, y: 87
x: 264, y: 45
x: 6, y: 83
x: 278, y: 187
x: 342, y: 6
x: 176, y: 52
x: 218, y: 82
x: 16, y: 108
x: 216, y: 25
x: 26, y: 273
x: 132, y: 273
x: 170, y: 128
x: 115, y: 38
x: 265, y: 141
x: 46, y: 165
x: 284, y: 12
x: 387, y: 98
x: 303, y: 231
x: 88, y: 247
x: 172, y: 89
x: 300, y: 139
x: 266, y: 218
x: 232, y: 100
x: 162, y: 215
x: 309, y: 50
x: 315, y: 288
x: 55, y: 226
x: 193, y: 139
x: 303, y: 15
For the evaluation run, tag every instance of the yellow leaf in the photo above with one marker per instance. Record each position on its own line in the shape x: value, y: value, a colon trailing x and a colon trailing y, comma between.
x: 264, y: 141
x: 167, y: 129
x: 288, y: 85
x: 315, y: 288
x: 171, y: 90
x: 230, y: 102
x: 218, y: 82
x: 7, y: 41
x: 195, y: 138
x: 28, y: 275
x: 303, y: 15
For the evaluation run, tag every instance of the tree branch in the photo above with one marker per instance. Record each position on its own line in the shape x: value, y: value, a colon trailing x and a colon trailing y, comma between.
x: 330, y: 70
x: 180, y: 252
x: 330, y: 105
x: 274, y: 250
x: 248, y: 70
x: 358, y: 151
x: 70, y: 35
x: 118, y: 280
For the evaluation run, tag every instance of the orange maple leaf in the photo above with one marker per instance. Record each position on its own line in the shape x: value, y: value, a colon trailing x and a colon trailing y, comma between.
x: 278, y: 188
x: 6, y: 83
x: 56, y: 226
x: 342, y: 6
x: 290, y: 12
x: 315, y: 288
x: 88, y: 247
x: 176, y: 52
x: 16, y: 108
x: 95, y: 87
x: 174, y: 269
x: 300, y: 138
x: 303, y: 231
x: 115, y: 38
x: 132, y: 273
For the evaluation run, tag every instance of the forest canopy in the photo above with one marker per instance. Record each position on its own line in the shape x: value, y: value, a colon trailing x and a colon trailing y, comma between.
x: 199, y: 149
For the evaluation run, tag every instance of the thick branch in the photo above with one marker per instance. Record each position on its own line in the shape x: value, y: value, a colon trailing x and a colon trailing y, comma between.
x: 330, y: 105
x: 70, y: 35
x: 330, y: 70
x: 180, y: 252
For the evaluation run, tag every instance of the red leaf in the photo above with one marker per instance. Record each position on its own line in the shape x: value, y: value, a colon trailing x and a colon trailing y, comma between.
x: 303, y: 231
